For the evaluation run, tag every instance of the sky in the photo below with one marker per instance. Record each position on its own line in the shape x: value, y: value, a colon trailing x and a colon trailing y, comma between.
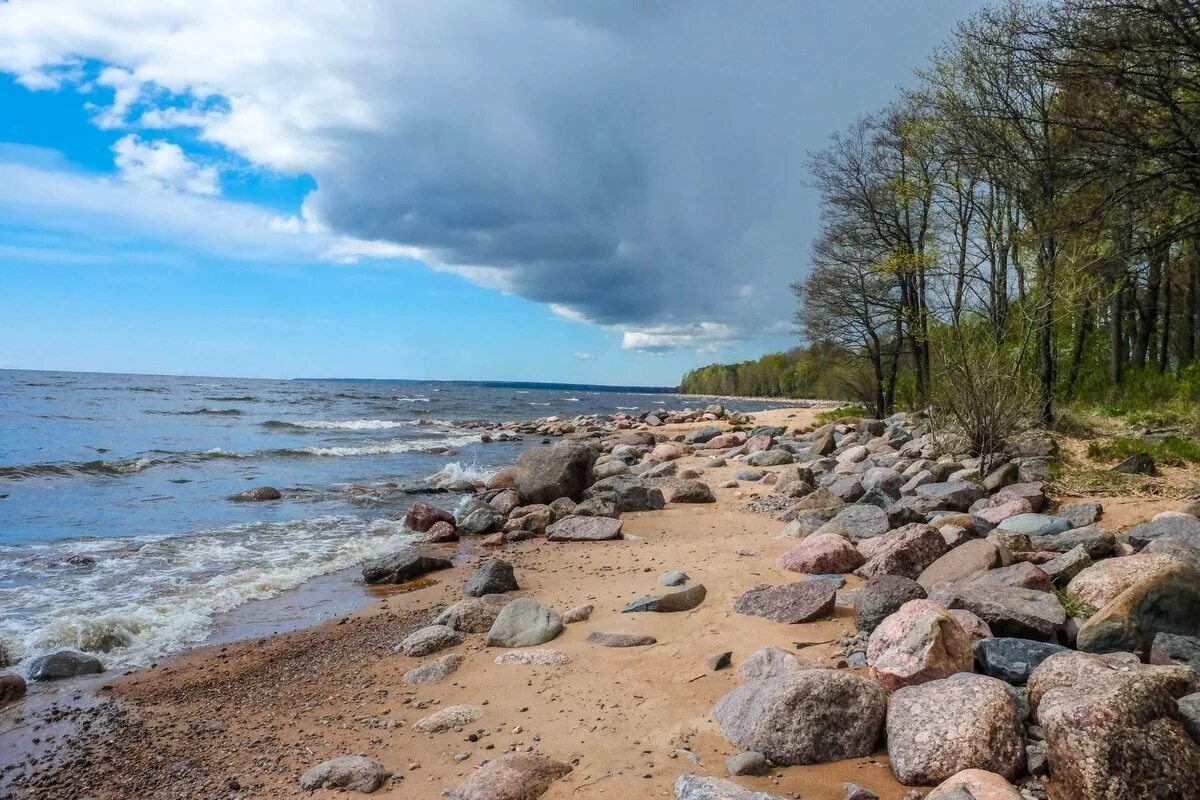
x: 592, y: 192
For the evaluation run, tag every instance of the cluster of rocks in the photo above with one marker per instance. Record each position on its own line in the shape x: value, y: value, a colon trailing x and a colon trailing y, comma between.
x: 603, y: 424
x: 1005, y: 643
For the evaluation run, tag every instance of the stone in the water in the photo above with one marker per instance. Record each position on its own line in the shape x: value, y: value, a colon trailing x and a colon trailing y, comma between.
x: 683, y: 600
x: 1012, y: 660
x: 805, y: 717
x: 750, y: 763
x: 673, y: 578
x: 695, y: 787
x: 448, y: 718
x: 258, y: 493
x: 524, y: 623
x: 12, y: 687
x: 494, y: 577
x: 435, y: 670
x: 63, y: 664
x: 512, y: 776
x: 472, y: 615
x: 359, y: 773
x: 791, y: 603
x: 429, y: 639
x: 402, y: 567
x: 620, y: 639
x: 966, y: 721
x: 584, y: 529
x: 422, y: 516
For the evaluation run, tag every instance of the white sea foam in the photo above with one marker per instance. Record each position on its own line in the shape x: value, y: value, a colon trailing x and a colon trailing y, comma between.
x: 146, y: 597
x: 353, y: 424
x: 456, y: 471
x: 627, y: 408
x: 391, y: 447
x: 538, y: 404
x: 411, y: 399
x: 571, y: 399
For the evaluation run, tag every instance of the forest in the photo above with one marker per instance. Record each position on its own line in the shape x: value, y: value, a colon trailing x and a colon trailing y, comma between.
x: 1018, y: 229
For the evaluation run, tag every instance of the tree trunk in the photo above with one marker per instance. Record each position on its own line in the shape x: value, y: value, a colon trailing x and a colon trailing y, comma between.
x: 1164, y: 348
x: 1147, y: 319
x: 1192, y: 308
x: 1081, y: 336
x: 1116, y: 337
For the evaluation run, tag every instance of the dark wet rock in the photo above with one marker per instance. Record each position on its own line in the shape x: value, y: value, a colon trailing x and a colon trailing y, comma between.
x: 402, y: 567
x: 940, y: 728
x: 256, y: 494
x: 599, y: 506
x: 422, y: 516
x: 881, y: 597
x: 12, y: 687
x: 804, y: 717
x: 359, y: 773
x: 1184, y: 528
x: 584, y: 529
x: 63, y: 664
x: 494, y: 577
x: 692, y: 492
x: 1012, y: 660
x: 544, y: 474
x: 791, y: 603
x: 628, y: 493
x: 512, y: 776
x: 682, y: 600
x: 605, y: 639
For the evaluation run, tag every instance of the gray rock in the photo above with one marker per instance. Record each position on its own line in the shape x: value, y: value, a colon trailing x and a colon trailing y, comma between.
x: 544, y: 474
x: 1181, y: 528
x: 856, y: 792
x: 1189, y: 715
x: 719, y: 661
x: 1035, y: 524
x: 791, y: 603
x: 1096, y: 542
x: 435, y: 670
x: 748, y: 475
x: 63, y: 664
x: 906, y: 551
x: 750, y: 763
x: 1008, y: 611
x: 1012, y: 660
x: 694, y: 787
x: 847, y: 488
x: 429, y: 639
x: 1172, y: 648
x: 884, y: 479
x: 673, y: 578
x: 494, y: 577
x: 682, y: 600
x: 512, y: 776
x: 1137, y: 464
x: 524, y: 623
x: 1000, y: 477
x: 702, y: 435
x: 1066, y: 566
x: 604, y: 639
x: 480, y: 520
x: 628, y: 493
x: 769, y: 458
x: 1176, y: 548
x: 402, y: 567
x: 804, y: 717
x: 859, y: 522
x: 472, y: 615
x: 584, y: 529
x: 1081, y: 514
x: 359, y: 773
x: 692, y: 492
x: 881, y: 597
x: 12, y: 687
x: 957, y: 496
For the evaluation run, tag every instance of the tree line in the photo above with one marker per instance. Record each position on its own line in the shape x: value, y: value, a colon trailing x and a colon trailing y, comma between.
x: 1021, y: 227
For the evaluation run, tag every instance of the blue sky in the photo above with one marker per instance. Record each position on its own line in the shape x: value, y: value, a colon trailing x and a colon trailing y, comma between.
x: 450, y: 191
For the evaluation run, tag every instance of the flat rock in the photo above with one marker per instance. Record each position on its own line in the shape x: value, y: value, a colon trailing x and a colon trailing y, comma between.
x: 429, y: 639
x: 63, y: 664
x: 695, y: 787
x: 1012, y: 660
x: 584, y: 529
x: 1008, y: 611
x: 620, y: 639
x: 920, y: 642
x: 1021, y: 575
x: 950, y: 496
x: 524, y: 623
x: 791, y: 603
x: 942, y: 727
x: 1035, y: 524
x: 857, y: 522
x: 1097, y: 542
x: 494, y: 577
x: 965, y: 561
x: 542, y: 657
x: 772, y: 662
x: 402, y: 567
x: 512, y: 776
x: 448, y: 719
x: 804, y: 717
x: 435, y: 670
x: 882, y: 596
x: 682, y: 600
x: 358, y: 773
x: 1184, y: 528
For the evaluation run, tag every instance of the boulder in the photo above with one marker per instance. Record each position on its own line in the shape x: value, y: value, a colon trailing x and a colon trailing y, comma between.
x: 1008, y: 611
x: 1137, y: 464
x: 770, y: 458
x: 402, y: 567
x: 1167, y: 601
x: 975, y: 784
x: 1021, y: 575
x: 965, y: 561
x: 1184, y: 528
x: 1035, y: 525
x: 628, y: 493
x: 692, y: 492
x: 422, y: 516
x: 995, y: 514
x: 956, y: 496
x: 435, y: 670
x: 682, y: 600
x: 881, y: 597
x: 512, y: 776
x: 804, y: 717
x: 975, y: 628
x: 544, y: 474
x: 771, y: 662
x: 480, y: 520
x: 448, y: 719
x: 906, y: 551
x: 820, y: 554
x: 524, y: 623
x: 884, y: 479
x: 791, y: 603
x: 920, y: 642
x: 429, y: 639
x: 702, y: 435
x: 472, y: 615
x: 584, y: 529
x: 858, y: 522
x: 257, y: 494
x: 1112, y: 727
x: 1171, y: 648
x: 1063, y: 568
x: 440, y: 532
x: 12, y: 687
x: 1081, y: 514
x: 1096, y: 542
x: 1012, y: 660
x: 1174, y: 547
x: 1103, y: 582
x: 750, y: 763
x: 1033, y: 493
x: 63, y: 664
x: 494, y: 577
x: 359, y: 773
x: 942, y: 727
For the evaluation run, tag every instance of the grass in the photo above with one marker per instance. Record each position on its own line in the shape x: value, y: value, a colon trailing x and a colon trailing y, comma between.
x: 834, y: 414
x: 1171, y: 451
x: 1074, y: 607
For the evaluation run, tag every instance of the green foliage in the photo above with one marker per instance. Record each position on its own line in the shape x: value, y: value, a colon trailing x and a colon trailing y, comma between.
x: 1169, y: 451
x: 1075, y: 607
x: 834, y: 414
x: 800, y: 372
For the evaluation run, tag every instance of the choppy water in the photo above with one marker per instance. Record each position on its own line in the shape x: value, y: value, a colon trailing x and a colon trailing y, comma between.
x: 116, y: 536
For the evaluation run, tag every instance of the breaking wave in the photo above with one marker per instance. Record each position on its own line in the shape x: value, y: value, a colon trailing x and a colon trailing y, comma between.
x: 342, y: 425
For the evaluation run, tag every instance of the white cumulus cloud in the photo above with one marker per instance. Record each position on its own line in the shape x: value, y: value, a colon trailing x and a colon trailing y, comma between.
x: 162, y: 165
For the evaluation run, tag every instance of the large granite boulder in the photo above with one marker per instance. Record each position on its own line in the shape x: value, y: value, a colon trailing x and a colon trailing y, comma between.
x: 359, y: 773
x: 63, y: 664
x: 1008, y: 611
x: 1171, y: 648
x: 524, y: 623
x: 906, y: 551
x: 920, y: 642
x: 1181, y: 527
x: 1112, y: 727
x: 965, y: 561
x: 882, y: 596
x: 791, y: 603
x: 627, y: 493
x: 804, y: 717
x: 857, y: 522
x: 544, y: 474
x: 1166, y: 602
x: 1012, y: 660
x: 1103, y: 582
x: 584, y: 529
x: 402, y: 567
x: 422, y: 516
x: 822, y: 554
x: 950, y: 496
x: 940, y: 728
x: 494, y: 577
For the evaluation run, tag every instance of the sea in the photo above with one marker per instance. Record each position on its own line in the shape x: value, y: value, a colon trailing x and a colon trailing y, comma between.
x: 117, y: 536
